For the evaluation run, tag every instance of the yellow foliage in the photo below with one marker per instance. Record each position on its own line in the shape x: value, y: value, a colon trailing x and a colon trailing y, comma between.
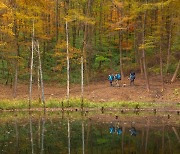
x: 3, y: 6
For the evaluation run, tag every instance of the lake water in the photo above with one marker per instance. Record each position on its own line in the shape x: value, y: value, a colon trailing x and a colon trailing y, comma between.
x: 89, y: 133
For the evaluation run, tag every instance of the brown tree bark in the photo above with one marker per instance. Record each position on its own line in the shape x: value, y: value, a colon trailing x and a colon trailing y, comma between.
x: 57, y: 20
x: 143, y: 53
x: 169, y: 45
x: 120, y: 47
x: 176, y: 72
x: 161, y: 66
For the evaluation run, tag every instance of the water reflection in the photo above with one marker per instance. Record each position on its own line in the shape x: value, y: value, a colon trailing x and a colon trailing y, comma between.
x: 133, y: 131
x: 31, y: 133
x: 77, y: 133
x: 69, y: 139
x: 42, y: 134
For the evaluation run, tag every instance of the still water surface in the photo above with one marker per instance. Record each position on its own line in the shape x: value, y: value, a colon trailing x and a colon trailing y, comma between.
x: 88, y: 133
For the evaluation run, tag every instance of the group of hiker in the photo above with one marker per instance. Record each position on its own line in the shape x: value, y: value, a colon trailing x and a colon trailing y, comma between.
x: 117, y: 77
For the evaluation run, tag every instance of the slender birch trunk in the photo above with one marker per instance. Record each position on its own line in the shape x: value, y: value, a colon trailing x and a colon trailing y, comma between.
x: 38, y: 82
x: 41, y: 74
x: 67, y: 45
x: 31, y: 68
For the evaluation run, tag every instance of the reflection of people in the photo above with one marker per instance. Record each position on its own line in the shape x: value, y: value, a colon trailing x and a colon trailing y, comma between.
x: 119, y: 131
x: 111, y: 129
x: 133, y: 131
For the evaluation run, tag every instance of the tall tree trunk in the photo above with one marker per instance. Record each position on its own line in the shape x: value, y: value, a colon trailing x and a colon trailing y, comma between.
x: 120, y: 46
x: 15, y: 79
x: 160, y: 48
x: 57, y: 20
x: 120, y: 55
x: 67, y: 46
x: 41, y: 74
x: 169, y: 46
x: 16, y: 65
x: 31, y: 68
x: 161, y: 65
x: 38, y: 82
x: 143, y: 53
x: 84, y: 58
x: 85, y: 55
x: 82, y: 81
x: 176, y: 72
x: 3, y: 67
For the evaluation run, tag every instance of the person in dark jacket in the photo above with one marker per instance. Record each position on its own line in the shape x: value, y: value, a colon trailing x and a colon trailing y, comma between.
x: 132, y: 77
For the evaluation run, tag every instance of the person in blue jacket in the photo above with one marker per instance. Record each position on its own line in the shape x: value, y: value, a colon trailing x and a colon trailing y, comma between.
x: 111, y: 79
x: 117, y: 78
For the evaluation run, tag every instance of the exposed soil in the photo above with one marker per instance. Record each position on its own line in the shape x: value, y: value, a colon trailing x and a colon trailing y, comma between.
x: 102, y: 92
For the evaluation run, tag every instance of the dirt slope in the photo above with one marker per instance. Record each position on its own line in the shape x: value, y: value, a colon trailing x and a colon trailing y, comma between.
x: 101, y: 91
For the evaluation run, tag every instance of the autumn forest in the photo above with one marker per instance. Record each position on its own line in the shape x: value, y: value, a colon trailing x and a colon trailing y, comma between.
x: 107, y: 36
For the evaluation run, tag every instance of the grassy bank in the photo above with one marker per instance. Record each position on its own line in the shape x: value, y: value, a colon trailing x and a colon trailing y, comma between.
x: 76, y: 103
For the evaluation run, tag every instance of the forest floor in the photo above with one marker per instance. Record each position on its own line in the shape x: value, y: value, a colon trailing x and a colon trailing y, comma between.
x: 103, y: 92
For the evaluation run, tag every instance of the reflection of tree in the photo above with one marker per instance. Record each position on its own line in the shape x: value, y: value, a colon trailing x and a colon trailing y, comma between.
x: 83, y: 138
x: 39, y: 133
x: 163, y: 139
x: 147, y: 135
x: 42, y: 135
x: 88, y: 132
x: 17, y: 136
x: 176, y: 133
x: 69, y: 141
x: 122, y: 143
x: 31, y: 133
